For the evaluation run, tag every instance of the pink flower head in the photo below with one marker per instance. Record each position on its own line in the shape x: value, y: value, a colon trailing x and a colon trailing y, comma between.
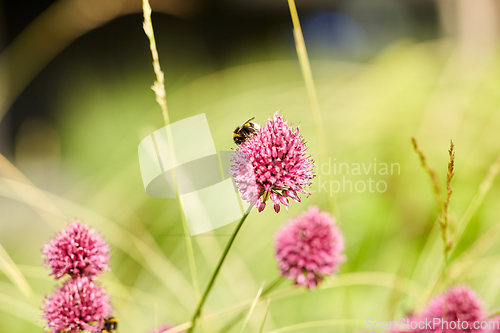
x: 76, y: 250
x: 80, y: 304
x: 493, y: 324
x: 458, y: 303
x: 309, y: 247
x: 457, y: 310
x: 272, y: 164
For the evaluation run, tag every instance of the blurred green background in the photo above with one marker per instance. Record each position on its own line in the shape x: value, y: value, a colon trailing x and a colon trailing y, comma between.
x: 76, y: 102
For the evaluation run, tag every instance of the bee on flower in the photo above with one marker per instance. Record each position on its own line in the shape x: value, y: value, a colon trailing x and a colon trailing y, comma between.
x: 273, y: 164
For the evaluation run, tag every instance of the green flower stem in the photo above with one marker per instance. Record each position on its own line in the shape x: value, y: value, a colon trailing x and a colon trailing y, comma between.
x: 272, y: 285
x: 217, y: 269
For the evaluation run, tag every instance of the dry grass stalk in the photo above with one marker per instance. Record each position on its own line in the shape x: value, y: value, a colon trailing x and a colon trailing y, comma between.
x: 159, y: 85
x: 445, y: 218
x: 430, y: 171
x: 443, y: 206
x: 161, y: 97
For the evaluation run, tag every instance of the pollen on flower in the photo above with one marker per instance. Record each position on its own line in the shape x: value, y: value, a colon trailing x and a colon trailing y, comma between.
x: 76, y: 250
x: 309, y: 247
x: 79, y: 305
x: 273, y: 164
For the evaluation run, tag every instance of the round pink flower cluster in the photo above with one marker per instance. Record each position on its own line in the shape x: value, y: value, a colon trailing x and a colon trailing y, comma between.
x: 80, y: 304
x: 459, y: 303
x: 76, y: 250
x: 272, y: 164
x: 309, y: 247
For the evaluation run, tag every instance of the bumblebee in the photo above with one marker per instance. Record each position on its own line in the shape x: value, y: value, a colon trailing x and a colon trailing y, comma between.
x: 241, y: 133
x: 110, y: 325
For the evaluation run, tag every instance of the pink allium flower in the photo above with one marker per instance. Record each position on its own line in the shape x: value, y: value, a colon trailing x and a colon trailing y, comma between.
x: 493, y: 324
x: 458, y: 303
x: 309, y: 247
x: 75, y: 250
x: 272, y: 164
x: 80, y: 304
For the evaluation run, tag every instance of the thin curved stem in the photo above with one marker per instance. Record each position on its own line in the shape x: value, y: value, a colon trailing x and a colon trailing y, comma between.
x: 265, y: 316
x: 273, y: 285
x: 161, y: 98
x: 305, y: 67
x: 379, y: 279
x: 217, y: 270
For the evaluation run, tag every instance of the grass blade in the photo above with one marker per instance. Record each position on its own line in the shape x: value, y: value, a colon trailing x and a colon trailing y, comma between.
x: 379, y: 279
x: 9, y: 268
x: 161, y: 97
x: 305, y: 67
x: 265, y: 316
x: 20, y: 309
x: 153, y: 261
x: 252, y: 307
x: 483, y: 189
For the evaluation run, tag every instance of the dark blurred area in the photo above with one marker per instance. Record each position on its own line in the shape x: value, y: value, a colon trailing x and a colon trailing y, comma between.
x: 210, y: 36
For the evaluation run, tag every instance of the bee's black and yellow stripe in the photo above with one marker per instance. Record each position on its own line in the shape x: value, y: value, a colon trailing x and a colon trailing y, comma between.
x: 241, y: 133
x: 110, y: 325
